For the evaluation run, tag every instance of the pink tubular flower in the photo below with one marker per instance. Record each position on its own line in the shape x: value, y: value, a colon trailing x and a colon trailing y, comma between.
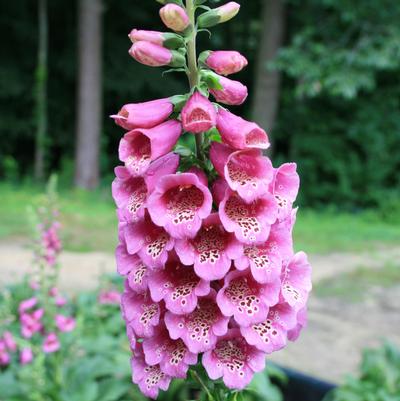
x: 9, y: 341
x: 174, y: 17
x: 200, y: 329
x: 150, y: 242
x: 51, y: 343
x: 65, y: 323
x: 251, y: 222
x: 234, y: 360
x: 294, y: 333
x: 211, y: 251
x: 265, y: 262
x: 31, y: 323
x: 150, y: 379
x: 141, y: 146
x: 178, y: 286
x: 25, y: 356
x: 285, y: 187
x: 27, y: 304
x: 246, y: 171
x: 271, y: 334
x: 245, y: 299
x: 140, y: 312
x: 226, y: 62
x: 179, y: 203
x: 239, y: 133
x: 172, y: 356
x: 144, y: 115
x: 198, y: 114
x: 232, y: 93
x: 296, y: 281
x: 130, y: 193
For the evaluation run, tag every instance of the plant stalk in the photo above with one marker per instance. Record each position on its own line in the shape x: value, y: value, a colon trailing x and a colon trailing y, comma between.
x: 193, y: 70
x: 202, y: 385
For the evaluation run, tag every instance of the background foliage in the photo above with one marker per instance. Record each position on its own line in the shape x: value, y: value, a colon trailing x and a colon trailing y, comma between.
x: 339, y: 110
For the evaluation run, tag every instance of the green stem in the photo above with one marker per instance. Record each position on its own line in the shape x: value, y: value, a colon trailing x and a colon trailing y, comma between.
x: 193, y: 71
x: 202, y: 385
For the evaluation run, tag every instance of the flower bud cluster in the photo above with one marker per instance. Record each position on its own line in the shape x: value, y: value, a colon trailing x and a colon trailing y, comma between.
x: 208, y: 260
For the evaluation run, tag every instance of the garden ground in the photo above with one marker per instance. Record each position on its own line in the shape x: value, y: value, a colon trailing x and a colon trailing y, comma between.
x: 354, y: 257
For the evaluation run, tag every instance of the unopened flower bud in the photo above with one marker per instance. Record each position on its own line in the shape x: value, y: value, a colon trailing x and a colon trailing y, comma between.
x: 153, y: 55
x: 218, y: 15
x: 225, y: 90
x: 166, y: 39
x: 174, y: 17
x: 224, y: 62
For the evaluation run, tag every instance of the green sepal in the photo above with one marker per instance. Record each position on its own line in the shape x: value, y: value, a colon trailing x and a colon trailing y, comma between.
x: 179, y: 2
x: 211, y: 79
x: 208, y: 19
x: 173, y: 41
x: 203, y: 57
x: 178, y: 59
x: 178, y: 101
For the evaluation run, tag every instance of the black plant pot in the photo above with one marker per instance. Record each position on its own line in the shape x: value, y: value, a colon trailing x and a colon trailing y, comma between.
x: 301, y: 387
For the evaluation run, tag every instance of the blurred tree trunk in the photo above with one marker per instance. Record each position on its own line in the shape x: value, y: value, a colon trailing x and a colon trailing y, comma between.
x: 41, y: 91
x: 89, y: 95
x: 267, y: 82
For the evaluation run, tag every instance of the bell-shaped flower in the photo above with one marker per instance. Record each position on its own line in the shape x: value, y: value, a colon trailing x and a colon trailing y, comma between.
x: 294, y: 333
x: 200, y: 329
x: 245, y: 299
x: 153, y: 55
x: 51, y: 343
x: 231, y: 92
x: 178, y: 286
x: 144, y: 115
x: 65, y: 323
x: 233, y: 360
x: 180, y: 202
x: 138, y: 148
x: 271, y: 335
x: 296, y: 281
x: 281, y: 237
x: 132, y: 267
x: 174, y: 17
x: 224, y: 62
x: 130, y: 193
x: 150, y: 379
x: 239, y: 133
x: 285, y: 187
x: 26, y: 356
x: 198, y: 115
x: 150, y: 242
x: 264, y: 261
x: 166, y: 39
x: 140, y: 312
x: 172, y: 356
x: 247, y: 171
x: 251, y: 222
x: 211, y: 251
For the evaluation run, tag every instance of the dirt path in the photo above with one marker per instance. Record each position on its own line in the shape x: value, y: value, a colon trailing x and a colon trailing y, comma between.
x: 337, y: 330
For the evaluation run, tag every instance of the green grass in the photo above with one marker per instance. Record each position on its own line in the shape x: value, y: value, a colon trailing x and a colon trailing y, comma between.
x: 89, y: 223
x: 355, y: 285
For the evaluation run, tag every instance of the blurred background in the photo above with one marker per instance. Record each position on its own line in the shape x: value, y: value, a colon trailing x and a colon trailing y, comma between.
x: 323, y: 79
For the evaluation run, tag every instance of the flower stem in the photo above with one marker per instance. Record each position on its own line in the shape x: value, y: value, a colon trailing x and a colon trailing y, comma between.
x: 193, y: 71
x: 202, y: 385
